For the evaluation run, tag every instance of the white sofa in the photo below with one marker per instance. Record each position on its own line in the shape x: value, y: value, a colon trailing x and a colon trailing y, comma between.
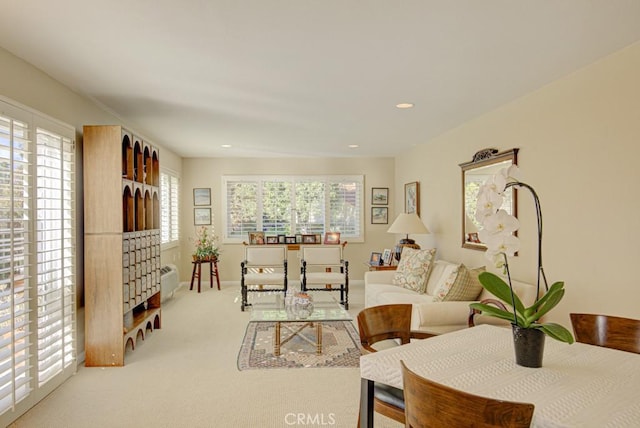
x: 429, y: 316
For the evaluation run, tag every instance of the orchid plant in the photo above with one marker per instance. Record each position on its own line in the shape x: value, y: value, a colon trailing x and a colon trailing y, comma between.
x: 498, y: 234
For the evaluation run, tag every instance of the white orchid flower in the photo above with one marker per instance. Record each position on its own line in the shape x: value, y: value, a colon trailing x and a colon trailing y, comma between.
x: 501, y: 222
x: 497, y: 183
x: 502, y: 243
x: 488, y: 203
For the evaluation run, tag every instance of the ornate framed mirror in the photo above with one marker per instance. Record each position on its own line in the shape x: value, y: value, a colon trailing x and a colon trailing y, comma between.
x: 485, y: 163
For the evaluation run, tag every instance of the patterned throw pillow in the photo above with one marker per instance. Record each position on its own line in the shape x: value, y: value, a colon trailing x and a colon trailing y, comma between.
x: 414, y: 269
x: 461, y: 285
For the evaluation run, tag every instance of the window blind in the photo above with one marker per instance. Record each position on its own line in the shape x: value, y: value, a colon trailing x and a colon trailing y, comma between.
x: 169, y: 203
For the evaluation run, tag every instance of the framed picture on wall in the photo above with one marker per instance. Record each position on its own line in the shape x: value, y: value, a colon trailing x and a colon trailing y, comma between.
x: 202, y: 216
x: 412, y: 198
x: 201, y: 196
x: 379, y: 215
x: 379, y: 196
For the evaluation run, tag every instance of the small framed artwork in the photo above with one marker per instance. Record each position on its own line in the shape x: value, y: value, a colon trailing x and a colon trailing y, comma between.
x: 379, y: 196
x: 308, y: 239
x: 298, y: 238
x: 202, y: 216
x: 318, y: 238
x: 331, y: 238
x: 256, y: 238
x: 272, y: 239
x: 201, y: 196
x: 281, y: 239
x: 379, y: 215
x: 473, y: 237
x: 412, y: 198
x: 376, y: 259
x: 386, y: 256
x: 289, y: 239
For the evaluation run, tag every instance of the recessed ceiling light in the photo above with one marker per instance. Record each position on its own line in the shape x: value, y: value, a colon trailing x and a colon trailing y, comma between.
x: 404, y: 105
x: 226, y: 146
x: 353, y: 146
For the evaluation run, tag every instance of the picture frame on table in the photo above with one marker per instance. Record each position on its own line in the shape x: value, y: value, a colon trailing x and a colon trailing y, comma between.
x: 331, y: 238
x: 379, y: 195
x: 272, y: 239
x: 308, y: 239
x: 256, y: 238
x: 412, y: 198
x: 298, y: 238
x: 375, y: 259
x: 281, y: 239
x: 201, y: 196
x: 379, y: 215
x: 289, y: 239
x: 202, y: 216
x: 386, y: 256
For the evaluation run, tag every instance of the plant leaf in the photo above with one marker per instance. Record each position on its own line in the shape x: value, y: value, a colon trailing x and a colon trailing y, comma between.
x: 493, y: 311
x: 496, y: 286
x: 556, y: 331
x: 552, y: 298
x: 556, y: 286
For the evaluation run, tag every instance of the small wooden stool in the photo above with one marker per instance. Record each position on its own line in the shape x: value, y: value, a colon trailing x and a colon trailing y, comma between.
x: 197, y: 270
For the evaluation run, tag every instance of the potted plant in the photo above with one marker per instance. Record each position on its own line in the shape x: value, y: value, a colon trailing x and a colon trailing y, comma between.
x: 205, y: 245
x: 497, y: 233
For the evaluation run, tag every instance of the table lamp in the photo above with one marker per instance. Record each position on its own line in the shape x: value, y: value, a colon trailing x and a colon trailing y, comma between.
x: 406, y: 224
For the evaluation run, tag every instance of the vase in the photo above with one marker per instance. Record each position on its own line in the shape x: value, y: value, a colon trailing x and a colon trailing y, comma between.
x: 529, y: 346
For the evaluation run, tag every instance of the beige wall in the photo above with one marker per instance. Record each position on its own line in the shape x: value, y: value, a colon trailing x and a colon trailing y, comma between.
x: 579, y: 141
x: 27, y: 85
x: 378, y: 172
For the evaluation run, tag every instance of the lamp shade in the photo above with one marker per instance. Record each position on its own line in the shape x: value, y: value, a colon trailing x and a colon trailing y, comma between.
x: 407, y: 224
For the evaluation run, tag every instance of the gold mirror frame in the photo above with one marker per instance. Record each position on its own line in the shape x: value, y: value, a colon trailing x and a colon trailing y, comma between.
x: 485, y: 163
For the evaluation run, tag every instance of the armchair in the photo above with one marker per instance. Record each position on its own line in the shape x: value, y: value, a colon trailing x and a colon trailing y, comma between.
x: 317, y: 269
x: 263, y: 266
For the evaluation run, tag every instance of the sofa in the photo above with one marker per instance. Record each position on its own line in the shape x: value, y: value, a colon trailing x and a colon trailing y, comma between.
x: 432, y: 313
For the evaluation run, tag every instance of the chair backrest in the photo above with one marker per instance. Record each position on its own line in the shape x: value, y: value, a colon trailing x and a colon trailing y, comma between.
x: 330, y: 255
x: 384, y: 322
x: 608, y: 331
x: 265, y: 255
x: 429, y: 404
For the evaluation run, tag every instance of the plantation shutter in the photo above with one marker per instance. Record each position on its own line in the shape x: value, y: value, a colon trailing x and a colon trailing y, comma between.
x: 15, y: 260
x: 55, y: 231
x: 310, y: 207
x: 345, y: 206
x: 276, y: 207
x: 241, y: 208
x: 169, y: 201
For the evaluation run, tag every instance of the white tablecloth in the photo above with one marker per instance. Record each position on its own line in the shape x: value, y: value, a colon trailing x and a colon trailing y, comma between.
x: 578, y: 385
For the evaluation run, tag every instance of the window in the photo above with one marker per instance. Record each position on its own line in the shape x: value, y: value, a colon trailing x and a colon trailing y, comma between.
x: 169, y: 201
x: 37, y: 258
x: 289, y: 205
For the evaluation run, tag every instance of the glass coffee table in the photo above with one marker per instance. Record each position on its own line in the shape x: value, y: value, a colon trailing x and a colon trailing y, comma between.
x: 325, y: 308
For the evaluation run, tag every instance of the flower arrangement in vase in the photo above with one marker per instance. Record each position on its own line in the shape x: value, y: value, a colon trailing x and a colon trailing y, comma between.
x: 205, y: 245
x: 498, y: 234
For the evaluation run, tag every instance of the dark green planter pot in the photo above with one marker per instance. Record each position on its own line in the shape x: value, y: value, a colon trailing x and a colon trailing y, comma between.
x: 529, y: 346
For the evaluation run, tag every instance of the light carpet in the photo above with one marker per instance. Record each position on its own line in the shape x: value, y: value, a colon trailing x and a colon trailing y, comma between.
x: 339, y: 347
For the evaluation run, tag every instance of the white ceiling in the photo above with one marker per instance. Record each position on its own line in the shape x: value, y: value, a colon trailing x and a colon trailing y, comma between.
x: 306, y: 78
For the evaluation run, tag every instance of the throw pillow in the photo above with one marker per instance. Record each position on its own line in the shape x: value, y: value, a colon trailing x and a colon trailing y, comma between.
x: 461, y: 285
x: 414, y: 269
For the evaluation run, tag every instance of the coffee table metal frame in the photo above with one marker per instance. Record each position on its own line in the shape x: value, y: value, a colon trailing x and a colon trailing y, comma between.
x: 327, y: 309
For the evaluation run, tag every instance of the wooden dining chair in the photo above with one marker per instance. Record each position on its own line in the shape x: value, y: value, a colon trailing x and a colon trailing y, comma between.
x: 432, y: 405
x: 613, y: 332
x: 378, y: 323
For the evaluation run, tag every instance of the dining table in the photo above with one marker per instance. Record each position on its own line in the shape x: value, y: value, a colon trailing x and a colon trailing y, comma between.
x: 578, y: 385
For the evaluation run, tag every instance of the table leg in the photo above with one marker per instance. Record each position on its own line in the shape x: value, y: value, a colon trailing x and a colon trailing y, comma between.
x: 319, y: 338
x: 276, y: 338
x: 215, y: 265
x: 366, y: 403
x: 199, y: 275
x: 193, y: 275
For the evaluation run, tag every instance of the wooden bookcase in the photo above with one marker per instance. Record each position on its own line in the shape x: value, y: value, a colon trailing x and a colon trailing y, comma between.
x: 122, y: 242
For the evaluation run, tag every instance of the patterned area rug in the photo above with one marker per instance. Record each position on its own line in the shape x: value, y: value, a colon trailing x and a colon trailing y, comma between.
x: 340, y: 347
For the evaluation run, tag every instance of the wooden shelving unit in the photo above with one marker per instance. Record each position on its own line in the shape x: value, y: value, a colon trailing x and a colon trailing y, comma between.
x: 122, y: 242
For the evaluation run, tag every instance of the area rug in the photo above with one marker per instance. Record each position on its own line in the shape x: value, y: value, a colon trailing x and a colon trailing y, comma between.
x: 340, y: 347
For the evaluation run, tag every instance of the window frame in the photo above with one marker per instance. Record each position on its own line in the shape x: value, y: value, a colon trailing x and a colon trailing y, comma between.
x: 328, y: 180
